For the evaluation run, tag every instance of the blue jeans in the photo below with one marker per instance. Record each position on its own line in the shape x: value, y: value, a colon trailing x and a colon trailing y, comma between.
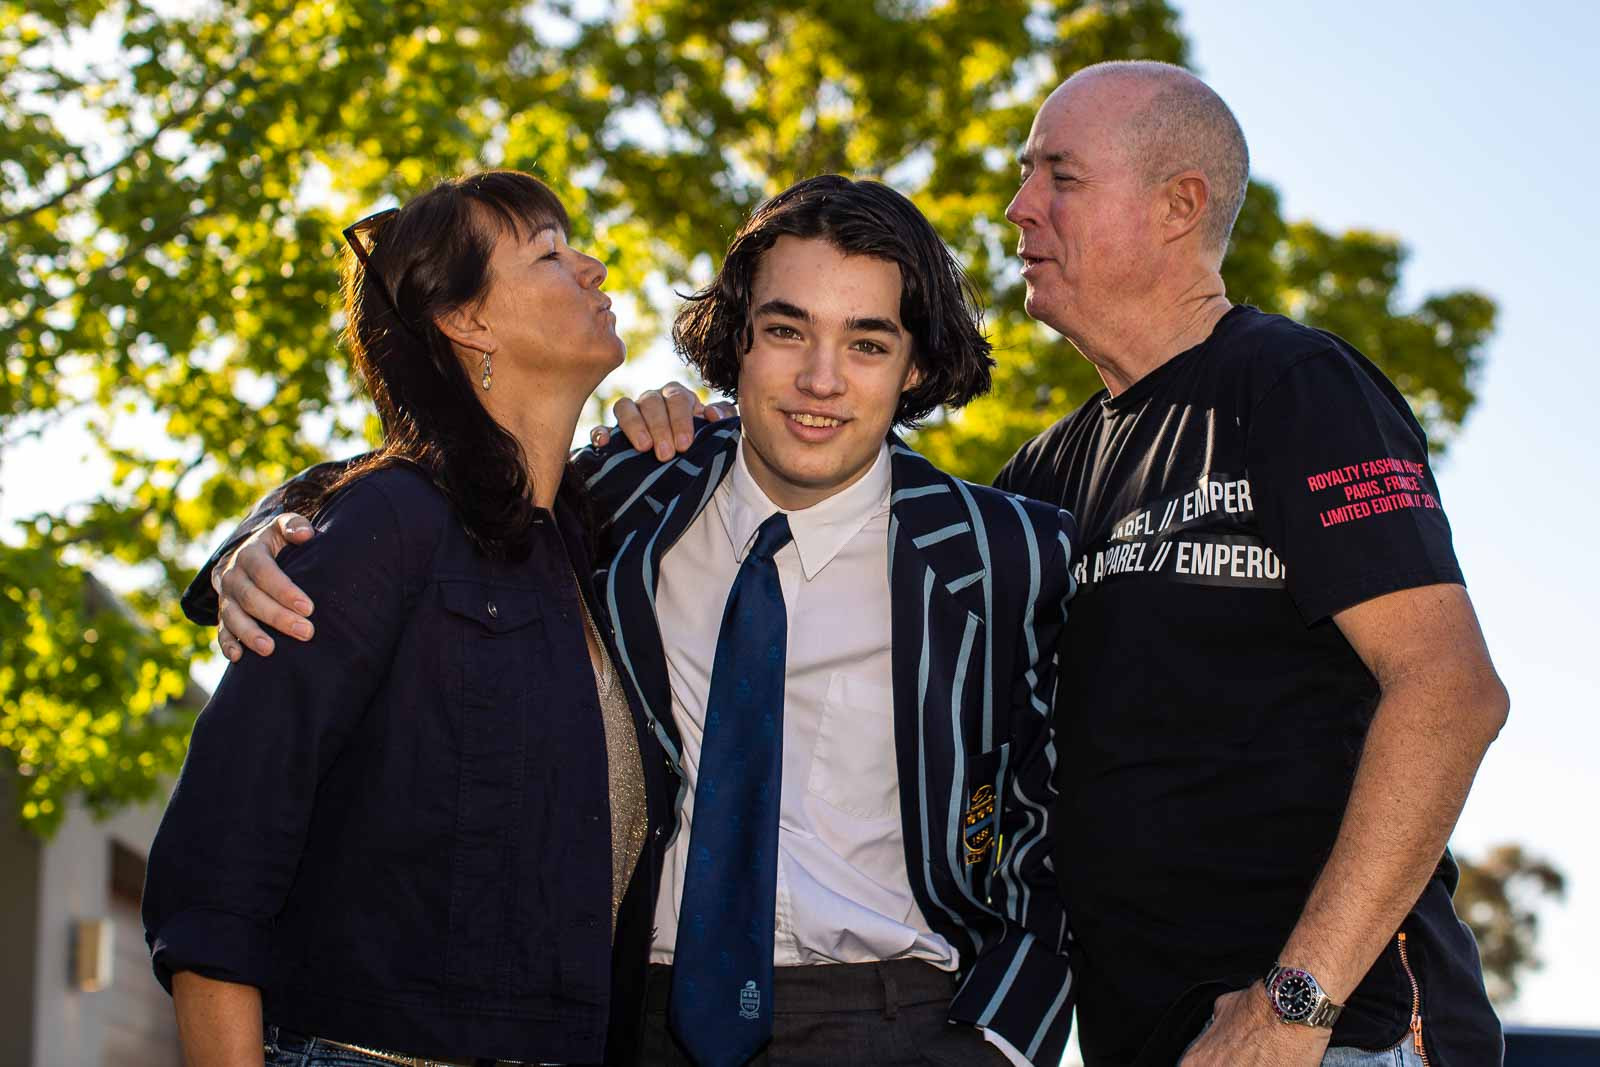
x: 285, y: 1048
x: 1402, y: 1055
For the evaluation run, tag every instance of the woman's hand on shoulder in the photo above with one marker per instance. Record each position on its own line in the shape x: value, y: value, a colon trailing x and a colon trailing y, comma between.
x: 661, y: 419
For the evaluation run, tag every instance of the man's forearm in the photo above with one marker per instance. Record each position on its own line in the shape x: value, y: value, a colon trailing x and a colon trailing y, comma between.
x: 1422, y: 751
x: 219, y: 1023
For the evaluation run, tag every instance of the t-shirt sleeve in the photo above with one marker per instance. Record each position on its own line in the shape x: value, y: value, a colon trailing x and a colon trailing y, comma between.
x: 1005, y: 481
x: 1339, y: 470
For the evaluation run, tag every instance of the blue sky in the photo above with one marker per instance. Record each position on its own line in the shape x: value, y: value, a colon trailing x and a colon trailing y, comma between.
x: 1468, y: 130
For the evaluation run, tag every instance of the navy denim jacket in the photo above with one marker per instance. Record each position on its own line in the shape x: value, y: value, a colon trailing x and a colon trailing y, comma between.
x: 400, y: 830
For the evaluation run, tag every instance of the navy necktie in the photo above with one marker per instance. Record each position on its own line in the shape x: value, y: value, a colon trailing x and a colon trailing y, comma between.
x: 721, y: 1007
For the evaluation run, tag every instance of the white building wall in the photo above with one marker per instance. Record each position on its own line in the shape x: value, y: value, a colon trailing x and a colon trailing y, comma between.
x: 73, y: 1028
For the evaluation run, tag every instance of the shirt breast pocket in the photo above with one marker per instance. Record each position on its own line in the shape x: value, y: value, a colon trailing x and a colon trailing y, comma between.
x: 491, y: 625
x: 853, y: 764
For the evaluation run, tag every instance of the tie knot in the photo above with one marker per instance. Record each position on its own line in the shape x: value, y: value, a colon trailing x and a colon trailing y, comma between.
x: 771, y: 536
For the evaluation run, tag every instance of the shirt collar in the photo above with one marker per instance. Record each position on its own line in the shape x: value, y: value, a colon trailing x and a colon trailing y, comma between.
x: 820, y: 530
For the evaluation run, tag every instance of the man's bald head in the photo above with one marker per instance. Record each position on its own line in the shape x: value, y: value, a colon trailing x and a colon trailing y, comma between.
x: 1168, y: 122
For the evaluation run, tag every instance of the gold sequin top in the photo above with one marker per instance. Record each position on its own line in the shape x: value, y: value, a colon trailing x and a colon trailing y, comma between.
x: 629, y: 817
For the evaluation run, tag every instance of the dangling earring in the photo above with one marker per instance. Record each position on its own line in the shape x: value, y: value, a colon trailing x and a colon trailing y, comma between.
x: 488, y: 372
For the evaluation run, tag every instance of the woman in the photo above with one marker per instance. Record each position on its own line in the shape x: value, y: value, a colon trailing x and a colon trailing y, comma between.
x: 411, y: 837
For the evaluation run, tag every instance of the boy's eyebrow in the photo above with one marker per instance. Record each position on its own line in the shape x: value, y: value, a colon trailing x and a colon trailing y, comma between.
x: 877, y: 325
x: 784, y: 308
x: 873, y: 323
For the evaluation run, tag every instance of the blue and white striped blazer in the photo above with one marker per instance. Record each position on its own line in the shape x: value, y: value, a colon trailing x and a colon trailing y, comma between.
x: 979, y: 580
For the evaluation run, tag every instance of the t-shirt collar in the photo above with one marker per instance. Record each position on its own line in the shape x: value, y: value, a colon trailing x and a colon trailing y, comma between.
x: 820, y: 530
x: 1141, y: 390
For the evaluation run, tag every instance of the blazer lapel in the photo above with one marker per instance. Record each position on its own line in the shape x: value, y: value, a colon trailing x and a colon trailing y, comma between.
x: 647, y: 526
x: 934, y: 525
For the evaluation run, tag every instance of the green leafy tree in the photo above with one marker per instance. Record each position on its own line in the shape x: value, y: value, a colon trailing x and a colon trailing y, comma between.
x: 1498, y: 897
x: 173, y: 181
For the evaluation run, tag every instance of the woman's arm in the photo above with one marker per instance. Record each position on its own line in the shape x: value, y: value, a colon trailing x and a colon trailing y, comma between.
x: 219, y: 1023
x: 231, y: 840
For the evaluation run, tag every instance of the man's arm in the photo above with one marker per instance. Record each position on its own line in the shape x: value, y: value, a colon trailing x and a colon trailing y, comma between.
x: 1441, y: 706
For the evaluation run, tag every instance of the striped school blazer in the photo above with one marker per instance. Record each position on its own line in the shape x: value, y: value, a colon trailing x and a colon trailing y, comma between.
x: 979, y: 581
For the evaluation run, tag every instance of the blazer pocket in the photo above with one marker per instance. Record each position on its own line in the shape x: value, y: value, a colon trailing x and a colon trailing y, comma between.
x: 980, y: 844
x: 853, y: 761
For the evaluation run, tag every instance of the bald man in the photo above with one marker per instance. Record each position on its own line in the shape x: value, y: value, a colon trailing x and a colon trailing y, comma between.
x: 1282, y: 692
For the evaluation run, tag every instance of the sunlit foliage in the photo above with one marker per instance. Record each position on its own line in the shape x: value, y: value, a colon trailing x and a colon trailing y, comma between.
x: 174, y: 176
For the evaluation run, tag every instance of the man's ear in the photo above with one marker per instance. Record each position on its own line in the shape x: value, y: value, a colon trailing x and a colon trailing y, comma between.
x: 466, y: 328
x: 1188, y: 195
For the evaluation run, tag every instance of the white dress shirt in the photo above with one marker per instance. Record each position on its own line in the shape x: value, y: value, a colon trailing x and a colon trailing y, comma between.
x: 843, y: 893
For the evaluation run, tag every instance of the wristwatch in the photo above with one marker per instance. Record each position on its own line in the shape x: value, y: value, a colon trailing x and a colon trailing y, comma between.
x: 1296, y: 997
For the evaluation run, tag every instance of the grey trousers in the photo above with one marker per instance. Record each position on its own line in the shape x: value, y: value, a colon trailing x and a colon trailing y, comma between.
x: 885, y: 1014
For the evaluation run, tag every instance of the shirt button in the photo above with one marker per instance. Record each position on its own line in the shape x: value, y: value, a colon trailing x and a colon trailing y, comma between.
x: 494, y: 612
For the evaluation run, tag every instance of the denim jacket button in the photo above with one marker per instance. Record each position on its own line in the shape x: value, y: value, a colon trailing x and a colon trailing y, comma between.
x: 494, y: 612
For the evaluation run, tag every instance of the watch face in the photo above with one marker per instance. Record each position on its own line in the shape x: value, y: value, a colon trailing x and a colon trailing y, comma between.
x: 1295, y: 994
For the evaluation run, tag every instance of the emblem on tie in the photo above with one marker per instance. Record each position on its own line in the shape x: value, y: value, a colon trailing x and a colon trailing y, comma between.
x: 750, y: 1001
x: 978, y: 830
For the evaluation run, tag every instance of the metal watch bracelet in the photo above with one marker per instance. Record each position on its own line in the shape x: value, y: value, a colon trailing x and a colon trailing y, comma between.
x: 1296, y: 997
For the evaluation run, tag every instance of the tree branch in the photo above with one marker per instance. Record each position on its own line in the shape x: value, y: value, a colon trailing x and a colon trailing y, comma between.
x: 155, y: 237
x: 47, y: 420
x: 172, y: 121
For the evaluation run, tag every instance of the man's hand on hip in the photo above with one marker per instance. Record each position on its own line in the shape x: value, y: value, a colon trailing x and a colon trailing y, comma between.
x: 1245, y: 1032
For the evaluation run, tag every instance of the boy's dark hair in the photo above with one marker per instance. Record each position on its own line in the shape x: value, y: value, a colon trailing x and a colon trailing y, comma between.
x: 937, y: 303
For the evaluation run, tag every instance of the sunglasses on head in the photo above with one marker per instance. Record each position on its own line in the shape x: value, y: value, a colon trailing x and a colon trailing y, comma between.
x: 362, y: 235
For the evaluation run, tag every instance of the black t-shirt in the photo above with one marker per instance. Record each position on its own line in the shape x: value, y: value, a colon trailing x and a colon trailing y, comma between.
x: 1211, y: 714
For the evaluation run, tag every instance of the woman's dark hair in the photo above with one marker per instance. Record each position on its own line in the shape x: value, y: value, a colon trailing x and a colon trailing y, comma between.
x: 937, y: 302
x: 429, y: 258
